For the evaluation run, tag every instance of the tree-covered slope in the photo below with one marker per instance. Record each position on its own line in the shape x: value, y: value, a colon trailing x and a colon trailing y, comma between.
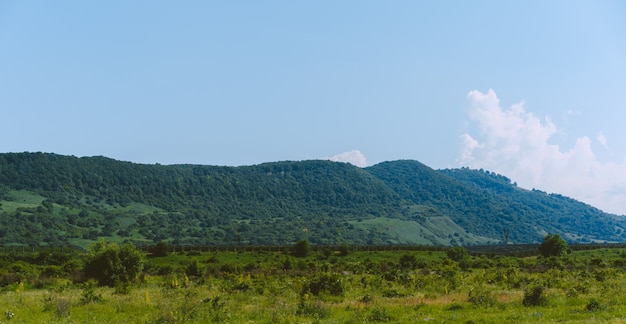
x: 272, y: 203
x: 550, y: 213
x: 488, y: 204
x: 55, y: 199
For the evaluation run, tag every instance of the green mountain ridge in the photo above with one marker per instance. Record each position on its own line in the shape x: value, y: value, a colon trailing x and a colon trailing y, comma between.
x: 50, y: 199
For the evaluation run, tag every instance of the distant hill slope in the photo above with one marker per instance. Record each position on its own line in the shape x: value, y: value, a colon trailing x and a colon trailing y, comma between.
x: 50, y: 199
x: 488, y: 204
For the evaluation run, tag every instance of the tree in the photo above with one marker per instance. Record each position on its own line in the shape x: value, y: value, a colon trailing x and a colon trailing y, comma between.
x: 160, y: 249
x: 457, y: 253
x: 301, y: 249
x: 112, y: 264
x: 553, y: 245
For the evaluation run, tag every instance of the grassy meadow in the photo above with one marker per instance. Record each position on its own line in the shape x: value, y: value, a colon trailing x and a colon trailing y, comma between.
x: 326, y: 286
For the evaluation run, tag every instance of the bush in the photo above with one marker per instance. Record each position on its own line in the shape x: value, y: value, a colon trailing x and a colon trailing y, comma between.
x: 89, y: 294
x: 482, y: 297
x: 553, y: 245
x: 194, y: 269
x: 325, y: 283
x: 593, y: 305
x: 344, y: 250
x: 301, y: 249
x: 160, y: 249
x: 533, y: 296
x: 113, y: 265
x: 379, y: 315
x: 314, y: 309
x: 408, y: 261
x: 457, y: 253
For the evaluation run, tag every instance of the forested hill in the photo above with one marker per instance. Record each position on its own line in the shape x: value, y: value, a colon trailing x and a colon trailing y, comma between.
x: 49, y: 199
x: 489, y: 204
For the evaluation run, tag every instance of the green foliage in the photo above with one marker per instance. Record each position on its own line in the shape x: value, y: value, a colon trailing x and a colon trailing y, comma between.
x: 89, y: 294
x: 553, y: 245
x: 344, y: 250
x: 593, y: 305
x: 488, y: 204
x: 315, y: 309
x: 194, y: 269
x: 408, y: 261
x: 363, y: 287
x: 301, y: 249
x: 324, y: 283
x: 160, y: 249
x: 482, y: 296
x: 379, y: 314
x: 113, y: 265
x: 534, y: 296
x: 457, y: 253
x: 55, y: 200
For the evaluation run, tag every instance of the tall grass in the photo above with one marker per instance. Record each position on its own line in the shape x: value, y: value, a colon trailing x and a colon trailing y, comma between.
x: 388, y: 287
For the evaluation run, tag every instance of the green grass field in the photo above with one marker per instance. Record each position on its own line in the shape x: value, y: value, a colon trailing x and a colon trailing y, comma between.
x: 325, y: 287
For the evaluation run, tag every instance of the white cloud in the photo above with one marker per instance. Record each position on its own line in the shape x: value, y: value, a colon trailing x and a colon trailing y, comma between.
x: 354, y: 157
x: 515, y: 143
x: 602, y: 140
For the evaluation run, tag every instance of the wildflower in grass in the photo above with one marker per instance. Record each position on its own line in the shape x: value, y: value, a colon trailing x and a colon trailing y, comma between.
x: 9, y: 314
x: 147, y: 297
x: 174, y: 283
x: 19, y: 290
x: 20, y: 287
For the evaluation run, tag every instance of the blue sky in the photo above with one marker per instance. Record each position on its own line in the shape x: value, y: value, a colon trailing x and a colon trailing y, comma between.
x: 535, y: 90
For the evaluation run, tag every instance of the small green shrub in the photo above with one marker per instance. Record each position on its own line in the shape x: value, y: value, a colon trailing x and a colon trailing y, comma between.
x: 366, y: 299
x: 392, y: 293
x: 89, y: 294
x: 408, y: 261
x: 593, y: 305
x: 331, y: 284
x: 482, y: 297
x: 301, y: 249
x: 534, y: 296
x: 379, y: 315
x: 122, y: 288
x: 314, y: 309
x: 194, y: 269
x: 160, y: 249
x: 457, y: 253
x: 553, y: 245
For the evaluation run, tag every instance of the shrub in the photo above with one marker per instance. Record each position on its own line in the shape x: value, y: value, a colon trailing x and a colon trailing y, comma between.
x: 344, y: 250
x: 593, y: 305
x: 194, y: 269
x: 314, y: 309
x: 325, y: 283
x: 482, y: 297
x: 553, y: 245
x: 392, y: 293
x: 379, y: 315
x: 408, y: 261
x: 301, y: 249
x: 533, y: 296
x: 89, y: 294
x: 457, y: 253
x: 112, y: 265
x: 160, y: 249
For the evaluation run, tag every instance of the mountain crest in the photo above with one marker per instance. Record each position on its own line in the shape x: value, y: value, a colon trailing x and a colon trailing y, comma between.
x: 50, y: 199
